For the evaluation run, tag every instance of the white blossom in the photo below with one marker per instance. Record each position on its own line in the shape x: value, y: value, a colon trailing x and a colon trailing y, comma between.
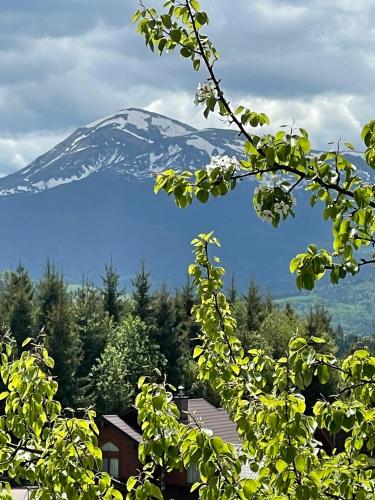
x: 225, y: 163
x: 204, y: 91
x: 280, y: 206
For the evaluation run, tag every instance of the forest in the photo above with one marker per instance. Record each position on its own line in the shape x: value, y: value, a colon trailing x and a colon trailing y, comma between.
x: 104, y: 339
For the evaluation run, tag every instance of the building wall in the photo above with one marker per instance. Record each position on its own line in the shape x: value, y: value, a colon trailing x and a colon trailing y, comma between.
x: 176, y: 478
x: 128, y: 454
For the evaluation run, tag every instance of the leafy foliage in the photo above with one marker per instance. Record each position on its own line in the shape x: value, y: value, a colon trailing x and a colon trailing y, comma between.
x: 279, y: 161
x: 129, y: 353
x: 278, y: 434
x: 39, y: 444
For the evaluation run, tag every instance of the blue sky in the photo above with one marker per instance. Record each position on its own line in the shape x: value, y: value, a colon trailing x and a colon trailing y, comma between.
x: 64, y: 63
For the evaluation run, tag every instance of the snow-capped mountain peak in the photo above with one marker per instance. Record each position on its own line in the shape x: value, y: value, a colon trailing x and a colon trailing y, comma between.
x: 145, y: 122
x: 132, y: 143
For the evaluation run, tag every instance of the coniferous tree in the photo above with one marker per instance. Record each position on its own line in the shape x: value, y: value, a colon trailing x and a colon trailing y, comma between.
x: 185, y: 300
x: 18, y: 305
x: 166, y: 335
x: 268, y: 303
x: 111, y: 293
x: 319, y: 322
x: 341, y: 341
x: 254, y: 306
x: 55, y: 318
x: 232, y: 292
x: 289, y: 310
x: 141, y: 294
x: 50, y: 288
x: 187, y: 329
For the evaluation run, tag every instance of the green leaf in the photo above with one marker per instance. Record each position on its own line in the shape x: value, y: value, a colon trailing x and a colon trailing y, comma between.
x: 117, y: 495
x: 141, y: 381
x: 4, y: 395
x: 197, y: 351
x: 281, y: 466
x: 26, y: 341
x: 318, y: 340
x: 202, y: 195
x: 196, y: 64
x: 235, y: 369
x: 218, y: 444
x: 323, y: 374
x: 250, y: 486
x: 300, y: 463
x: 185, y: 52
x: 175, y: 35
x: 202, y: 18
x: 195, y: 5
x: 166, y: 20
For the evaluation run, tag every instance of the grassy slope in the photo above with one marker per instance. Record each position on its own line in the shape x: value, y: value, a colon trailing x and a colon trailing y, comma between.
x: 351, y: 303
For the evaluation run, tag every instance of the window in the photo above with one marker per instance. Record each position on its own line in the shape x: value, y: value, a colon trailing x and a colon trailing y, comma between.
x: 110, y: 465
x: 109, y: 447
x: 192, y: 474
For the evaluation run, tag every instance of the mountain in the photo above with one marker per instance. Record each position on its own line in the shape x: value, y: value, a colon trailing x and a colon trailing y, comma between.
x: 90, y: 199
x: 131, y: 144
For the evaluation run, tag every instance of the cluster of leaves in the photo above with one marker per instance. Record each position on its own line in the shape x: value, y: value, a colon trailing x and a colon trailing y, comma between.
x: 348, y: 200
x: 278, y: 437
x: 128, y: 354
x: 39, y: 444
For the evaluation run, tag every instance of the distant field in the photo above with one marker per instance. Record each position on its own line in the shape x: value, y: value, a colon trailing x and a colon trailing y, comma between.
x: 352, y: 304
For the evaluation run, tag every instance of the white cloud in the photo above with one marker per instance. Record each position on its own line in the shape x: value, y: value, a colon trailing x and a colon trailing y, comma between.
x: 63, y: 64
x: 18, y: 150
x: 326, y: 117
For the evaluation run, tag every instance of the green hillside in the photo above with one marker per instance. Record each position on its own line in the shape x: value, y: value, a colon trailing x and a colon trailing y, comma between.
x: 351, y: 304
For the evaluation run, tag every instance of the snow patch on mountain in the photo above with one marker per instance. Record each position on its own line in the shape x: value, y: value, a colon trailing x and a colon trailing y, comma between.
x: 130, y: 143
x: 52, y: 183
x: 204, y: 145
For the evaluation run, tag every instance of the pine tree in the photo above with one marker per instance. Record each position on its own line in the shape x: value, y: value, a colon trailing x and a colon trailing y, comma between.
x: 61, y: 339
x: 232, y: 292
x: 50, y: 288
x: 18, y: 305
x: 268, y: 303
x: 319, y: 322
x: 185, y: 300
x: 166, y: 335
x: 141, y: 294
x: 289, y: 310
x: 110, y: 293
x: 186, y: 328
x: 254, y: 305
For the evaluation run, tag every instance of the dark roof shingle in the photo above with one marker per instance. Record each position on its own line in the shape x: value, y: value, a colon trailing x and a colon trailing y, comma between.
x: 117, y: 422
x: 216, y: 419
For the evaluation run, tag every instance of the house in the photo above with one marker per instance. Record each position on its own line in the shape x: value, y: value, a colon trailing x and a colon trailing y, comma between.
x: 119, y: 439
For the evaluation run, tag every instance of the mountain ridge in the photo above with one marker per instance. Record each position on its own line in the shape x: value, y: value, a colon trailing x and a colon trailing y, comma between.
x: 131, y: 142
x: 81, y: 204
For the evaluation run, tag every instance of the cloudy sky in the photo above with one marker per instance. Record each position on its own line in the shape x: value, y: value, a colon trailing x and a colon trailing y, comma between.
x: 64, y: 63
